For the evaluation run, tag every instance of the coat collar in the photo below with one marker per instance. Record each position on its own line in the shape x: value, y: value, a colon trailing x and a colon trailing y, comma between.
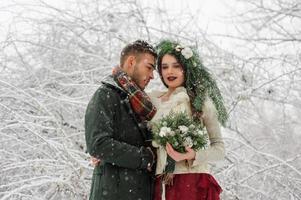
x: 109, y: 81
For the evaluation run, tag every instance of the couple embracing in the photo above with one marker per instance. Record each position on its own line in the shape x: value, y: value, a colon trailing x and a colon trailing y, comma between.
x: 120, y: 119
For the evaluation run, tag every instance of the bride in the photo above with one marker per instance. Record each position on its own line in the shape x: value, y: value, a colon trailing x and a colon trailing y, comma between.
x: 191, y: 89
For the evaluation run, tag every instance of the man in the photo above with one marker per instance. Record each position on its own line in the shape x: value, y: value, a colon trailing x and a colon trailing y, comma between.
x: 115, y: 130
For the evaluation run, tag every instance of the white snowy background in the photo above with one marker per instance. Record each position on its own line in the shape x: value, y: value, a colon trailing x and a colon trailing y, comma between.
x: 53, y: 55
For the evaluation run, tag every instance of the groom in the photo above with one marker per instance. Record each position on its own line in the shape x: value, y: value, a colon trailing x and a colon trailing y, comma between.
x: 115, y: 128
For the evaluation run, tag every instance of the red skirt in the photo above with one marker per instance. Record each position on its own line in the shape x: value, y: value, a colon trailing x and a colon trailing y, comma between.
x: 198, y: 186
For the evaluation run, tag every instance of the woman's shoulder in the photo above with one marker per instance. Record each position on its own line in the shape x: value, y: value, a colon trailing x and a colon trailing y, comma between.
x: 180, y: 94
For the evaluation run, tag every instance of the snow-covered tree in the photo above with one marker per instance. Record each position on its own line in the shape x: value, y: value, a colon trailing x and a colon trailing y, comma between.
x: 53, y: 56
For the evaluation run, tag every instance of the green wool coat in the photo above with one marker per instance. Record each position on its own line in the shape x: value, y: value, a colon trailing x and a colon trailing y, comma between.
x: 116, y: 136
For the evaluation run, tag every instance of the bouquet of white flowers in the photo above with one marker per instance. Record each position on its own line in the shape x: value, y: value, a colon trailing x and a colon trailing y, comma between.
x: 180, y: 131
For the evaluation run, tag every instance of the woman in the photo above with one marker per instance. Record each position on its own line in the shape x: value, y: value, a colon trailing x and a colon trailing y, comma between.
x: 192, y: 90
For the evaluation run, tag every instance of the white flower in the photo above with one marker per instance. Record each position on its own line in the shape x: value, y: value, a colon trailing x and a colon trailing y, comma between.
x: 164, y: 128
x: 187, y: 52
x: 188, y: 142
x: 192, y: 126
x: 163, y: 131
x: 172, y: 133
x: 178, y: 48
x: 168, y: 130
x: 164, y: 123
x: 198, y: 132
x: 162, y: 134
x: 183, y: 129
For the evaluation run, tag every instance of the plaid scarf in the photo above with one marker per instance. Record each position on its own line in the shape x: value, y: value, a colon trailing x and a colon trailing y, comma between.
x: 140, y: 101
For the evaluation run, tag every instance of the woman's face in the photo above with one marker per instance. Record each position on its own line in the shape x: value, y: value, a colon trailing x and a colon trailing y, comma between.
x: 172, y: 72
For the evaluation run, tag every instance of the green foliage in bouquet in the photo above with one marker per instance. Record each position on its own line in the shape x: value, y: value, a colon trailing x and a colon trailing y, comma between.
x: 179, y: 130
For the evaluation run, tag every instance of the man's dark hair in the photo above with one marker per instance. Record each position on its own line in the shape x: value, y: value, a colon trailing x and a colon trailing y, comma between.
x: 136, y: 48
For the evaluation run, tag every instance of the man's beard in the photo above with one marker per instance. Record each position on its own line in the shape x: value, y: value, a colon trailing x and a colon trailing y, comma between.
x: 136, y: 77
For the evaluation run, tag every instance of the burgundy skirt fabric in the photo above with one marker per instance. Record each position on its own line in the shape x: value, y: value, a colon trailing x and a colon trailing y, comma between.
x: 200, y: 186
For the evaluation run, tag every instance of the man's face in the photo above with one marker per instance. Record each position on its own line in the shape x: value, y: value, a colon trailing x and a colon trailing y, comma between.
x: 143, y: 70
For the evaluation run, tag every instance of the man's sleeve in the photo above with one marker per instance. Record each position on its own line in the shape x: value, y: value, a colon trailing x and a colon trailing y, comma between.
x: 99, y: 135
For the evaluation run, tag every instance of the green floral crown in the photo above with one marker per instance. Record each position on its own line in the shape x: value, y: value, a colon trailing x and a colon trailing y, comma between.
x: 198, y: 81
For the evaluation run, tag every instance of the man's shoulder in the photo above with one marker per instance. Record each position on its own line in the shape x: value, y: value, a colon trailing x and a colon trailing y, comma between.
x: 104, y: 88
x: 108, y: 84
x: 104, y: 96
x: 106, y: 91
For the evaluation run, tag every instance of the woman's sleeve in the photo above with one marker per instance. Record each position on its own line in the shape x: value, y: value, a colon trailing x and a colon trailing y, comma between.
x: 216, y: 150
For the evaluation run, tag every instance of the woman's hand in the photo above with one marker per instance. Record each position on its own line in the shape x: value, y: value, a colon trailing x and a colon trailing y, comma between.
x: 189, y: 155
x: 94, y: 161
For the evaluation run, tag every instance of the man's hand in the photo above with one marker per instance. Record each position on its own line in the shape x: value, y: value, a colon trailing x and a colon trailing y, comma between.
x: 150, y: 165
x: 94, y: 161
x: 189, y: 155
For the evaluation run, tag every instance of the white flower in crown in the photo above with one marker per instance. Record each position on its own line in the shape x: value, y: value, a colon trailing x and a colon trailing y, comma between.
x: 187, y: 52
x: 178, y: 48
